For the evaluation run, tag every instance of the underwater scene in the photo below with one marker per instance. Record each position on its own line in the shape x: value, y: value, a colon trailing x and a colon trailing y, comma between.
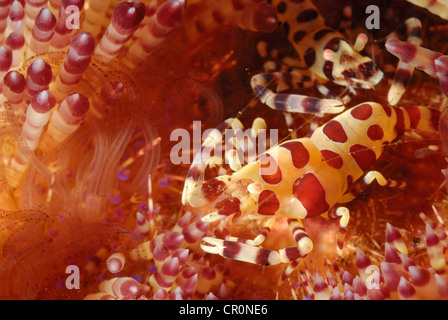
x: 223, y: 150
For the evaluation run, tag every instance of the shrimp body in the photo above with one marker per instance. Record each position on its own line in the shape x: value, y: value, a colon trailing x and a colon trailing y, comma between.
x: 306, y: 177
x: 310, y: 36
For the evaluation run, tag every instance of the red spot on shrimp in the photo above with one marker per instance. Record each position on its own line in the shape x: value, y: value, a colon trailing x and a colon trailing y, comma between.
x: 299, y: 155
x: 213, y: 188
x: 363, y: 156
x: 335, y: 132
x: 281, y: 7
x: 362, y: 112
x: 299, y: 35
x: 268, y: 203
x: 269, y: 169
x: 310, y: 57
x: 333, y: 159
x: 414, y: 116
x: 321, y: 33
x: 387, y: 110
x: 375, y: 132
x: 399, y: 125
x: 229, y: 206
x: 307, y: 16
x: 310, y: 192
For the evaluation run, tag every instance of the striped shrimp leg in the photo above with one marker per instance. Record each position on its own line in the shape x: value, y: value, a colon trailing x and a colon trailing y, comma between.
x: 431, y: 62
x: 411, y: 29
x: 362, y: 185
x: 249, y: 251
x: 290, y: 102
x: 344, y: 214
